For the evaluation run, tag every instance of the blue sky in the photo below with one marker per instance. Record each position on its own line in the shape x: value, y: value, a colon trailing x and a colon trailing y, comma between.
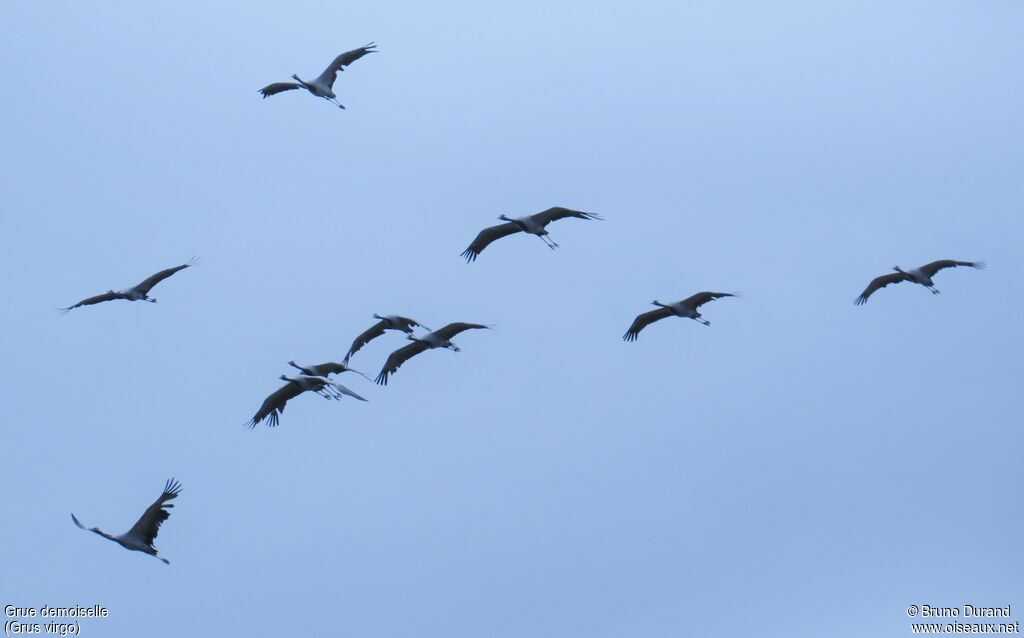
x: 803, y: 467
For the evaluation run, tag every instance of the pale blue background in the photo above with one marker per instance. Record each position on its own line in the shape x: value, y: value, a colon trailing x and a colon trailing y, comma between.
x: 803, y: 467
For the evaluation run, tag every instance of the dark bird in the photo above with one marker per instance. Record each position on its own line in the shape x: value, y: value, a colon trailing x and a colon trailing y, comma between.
x: 437, y: 339
x: 322, y: 86
x: 922, y: 275
x: 273, y: 405
x: 533, y: 224
x: 141, y: 536
x: 136, y: 293
x: 325, y: 369
x: 686, y: 308
x: 387, y: 322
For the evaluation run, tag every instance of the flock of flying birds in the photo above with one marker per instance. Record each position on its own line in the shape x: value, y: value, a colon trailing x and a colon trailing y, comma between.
x: 316, y: 378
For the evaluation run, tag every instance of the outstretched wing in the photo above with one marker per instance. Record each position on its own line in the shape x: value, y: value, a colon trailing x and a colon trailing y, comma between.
x: 558, y: 212
x: 701, y: 298
x: 936, y: 266
x: 274, y: 404
x: 107, y: 296
x: 330, y: 74
x: 147, y: 527
x: 485, y: 237
x: 278, y: 87
x: 369, y: 335
x: 452, y: 329
x: 148, y: 284
x: 397, y: 358
x: 643, y: 320
x: 880, y: 282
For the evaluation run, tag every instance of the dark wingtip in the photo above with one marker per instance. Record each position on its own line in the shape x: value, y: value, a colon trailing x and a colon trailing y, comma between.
x: 172, y: 487
x: 470, y: 255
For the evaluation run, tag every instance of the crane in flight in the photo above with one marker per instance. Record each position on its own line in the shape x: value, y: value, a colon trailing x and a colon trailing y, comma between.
x: 141, y: 536
x: 139, y: 292
x: 325, y: 369
x: 687, y: 308
x: 274, y: 404
x: 532, y: 224
x: 386, y: 322
x: 922, y: 275
x: 440, y: 338
x: 323, y: 85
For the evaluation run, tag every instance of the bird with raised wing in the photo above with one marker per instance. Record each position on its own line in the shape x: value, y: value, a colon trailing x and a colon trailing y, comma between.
x: 440, y: 338
x: 323, y: 85
x: 532, y: 224
x: 325, y: 369
x: 922, y: 275
x: 141, y: 536
x: 386, y: 322
x: 139, y: 292
x: 687, y: 308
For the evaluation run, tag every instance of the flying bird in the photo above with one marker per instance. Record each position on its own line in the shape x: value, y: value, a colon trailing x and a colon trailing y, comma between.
x: 141, y: 536
x: 325, y: 369
x: 437, y: 339
x: 322, y: 86
x: 922, y: 275
x: 274, y: 404
x: 533, y: 224
x: 686, y: 308
x: 387, y: 322
x: 136, y: 293
x: 322, y: 386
